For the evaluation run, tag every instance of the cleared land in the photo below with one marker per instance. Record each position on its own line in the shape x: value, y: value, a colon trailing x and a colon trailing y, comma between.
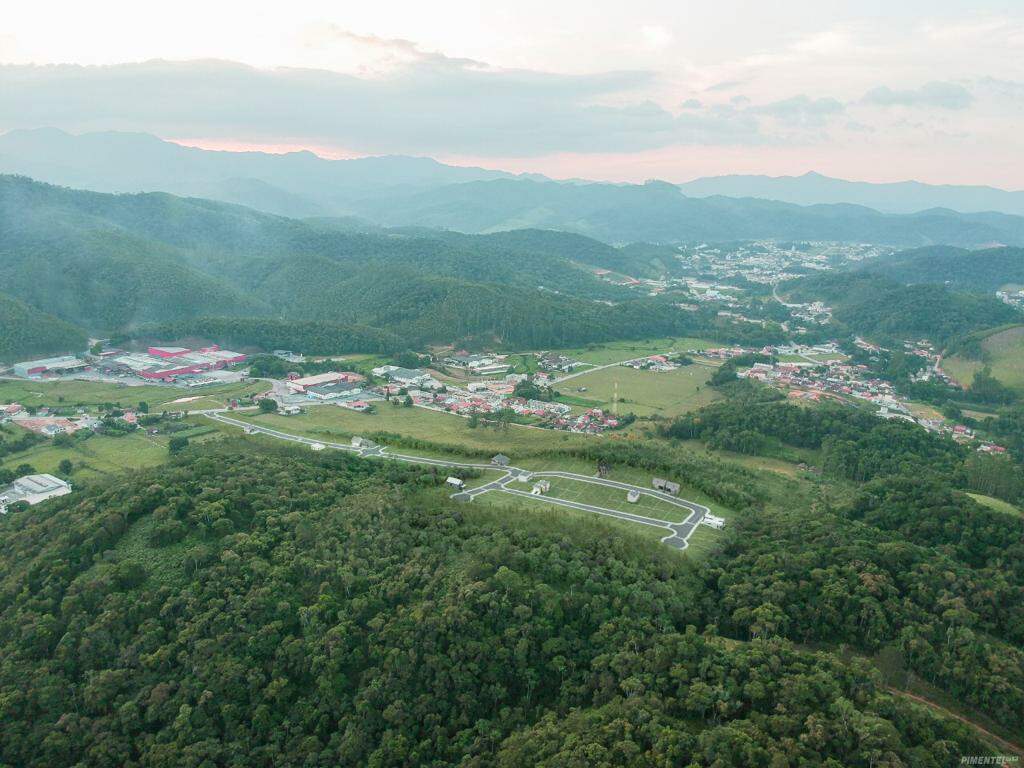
x: 67, y: 393
x: 617, y: 351
x: 645, y: 393
x: 451, y: 433
x: 997, y: 504
x: 99, y: 455
x: 1006, y: 358
x: 611, y: 498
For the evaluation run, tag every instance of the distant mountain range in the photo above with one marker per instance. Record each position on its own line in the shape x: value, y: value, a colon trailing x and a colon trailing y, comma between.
x: 407, y: 191
x: 899, y: 197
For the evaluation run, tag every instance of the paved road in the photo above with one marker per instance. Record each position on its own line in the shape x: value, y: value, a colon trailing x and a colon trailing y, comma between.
x: 677, y: 536
x: 601, y: 368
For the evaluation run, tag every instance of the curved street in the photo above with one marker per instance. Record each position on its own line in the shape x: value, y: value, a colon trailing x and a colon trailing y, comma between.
x: 677, y: 534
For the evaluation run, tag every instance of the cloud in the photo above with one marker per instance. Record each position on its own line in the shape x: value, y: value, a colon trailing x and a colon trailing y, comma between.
x: 935, y: 94
x: 429, y: 104
x: 802, y: 110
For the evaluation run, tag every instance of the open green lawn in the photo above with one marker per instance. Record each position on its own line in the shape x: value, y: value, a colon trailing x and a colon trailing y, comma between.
x: 441, y: 429
x: 997, y: 504
x: 1006, y: 354
x: 65, y: 393
x: 617, y: 351
x: 645, y: 393
x: 610, y: 498
x: 97, y: 456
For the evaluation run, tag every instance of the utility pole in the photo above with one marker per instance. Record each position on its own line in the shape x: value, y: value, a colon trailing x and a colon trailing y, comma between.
x: 615, y: 399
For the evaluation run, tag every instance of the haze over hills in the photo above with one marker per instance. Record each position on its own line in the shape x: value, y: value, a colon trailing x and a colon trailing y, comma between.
x: 897, y: 197
x: 407, y: 191
x: 292, y: 184
x: 111, y: 263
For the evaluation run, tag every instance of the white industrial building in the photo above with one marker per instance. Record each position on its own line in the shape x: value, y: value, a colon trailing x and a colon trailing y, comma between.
x: 33, y: 489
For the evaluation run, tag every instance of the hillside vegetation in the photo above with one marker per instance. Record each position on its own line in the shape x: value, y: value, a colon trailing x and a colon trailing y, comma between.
x: 27, y: 332
x: 113, y: 263
x: 257, y: 607
x: 982, y: 271
x: 879, y: 307
x: 418, y: 191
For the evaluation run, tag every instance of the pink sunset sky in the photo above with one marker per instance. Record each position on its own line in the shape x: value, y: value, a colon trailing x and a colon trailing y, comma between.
x: 602, y: 90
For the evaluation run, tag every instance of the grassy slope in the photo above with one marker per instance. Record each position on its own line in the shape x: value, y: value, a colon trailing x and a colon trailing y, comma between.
x: 1006, y: 351
x: 646, y: 393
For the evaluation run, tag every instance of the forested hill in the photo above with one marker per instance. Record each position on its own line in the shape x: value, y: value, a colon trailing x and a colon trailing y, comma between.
x: 27, y: 332
x: 879, y: 307
x: 408, y: 191
x: 986, y: 270
x: 659, y: 212
x: 259, y: 607
x: 110, y: 263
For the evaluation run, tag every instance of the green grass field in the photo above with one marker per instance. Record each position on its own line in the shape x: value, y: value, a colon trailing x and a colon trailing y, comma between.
x: 1006, y: 352
x: 997, y: 504
x: 338, y: 424
x: 610, y: 498
x: 617, y: 351
x: 645, y: 393
x: 99, y: 455
x: 65, y: 393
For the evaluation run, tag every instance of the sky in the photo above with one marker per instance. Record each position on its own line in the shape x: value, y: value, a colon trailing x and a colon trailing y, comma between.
x: 875, y: 91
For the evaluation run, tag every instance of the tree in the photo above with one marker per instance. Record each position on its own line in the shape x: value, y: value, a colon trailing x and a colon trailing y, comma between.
x: 267, y: 405
x: 177, y: 444
x: 407, y: 403
x: 143, y: 406
x: 65, y: 467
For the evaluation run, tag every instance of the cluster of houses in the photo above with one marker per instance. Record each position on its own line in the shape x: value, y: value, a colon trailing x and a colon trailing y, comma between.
x: 1013, y: 298
x: 553, y: 362
x: 657, y: 363
x: 477, y: 365
x: 43, y: 422
x: 839, y: 380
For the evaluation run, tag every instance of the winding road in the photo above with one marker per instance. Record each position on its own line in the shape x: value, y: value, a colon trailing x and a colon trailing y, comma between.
x: 677, y: 534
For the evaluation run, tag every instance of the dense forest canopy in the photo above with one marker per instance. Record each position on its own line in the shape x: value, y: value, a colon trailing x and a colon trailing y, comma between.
x: 257, y: 606
x: 983, y: 271
x: 27, y: 332
x: 877, y: 306
x: 112, y: 263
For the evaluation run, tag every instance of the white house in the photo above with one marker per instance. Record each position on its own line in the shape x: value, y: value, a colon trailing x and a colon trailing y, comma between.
x: 713, y: 521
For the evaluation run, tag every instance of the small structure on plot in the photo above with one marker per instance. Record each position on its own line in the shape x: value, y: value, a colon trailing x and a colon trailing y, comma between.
x: 362, y: 442
x: 317, y: 446
x: 633, y: 496
x: 501, y: 460
x: 712, y: 521
x: 541, y: 487
x: 455, y: 482
x: 667, y: 486
x: 289, y: 410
